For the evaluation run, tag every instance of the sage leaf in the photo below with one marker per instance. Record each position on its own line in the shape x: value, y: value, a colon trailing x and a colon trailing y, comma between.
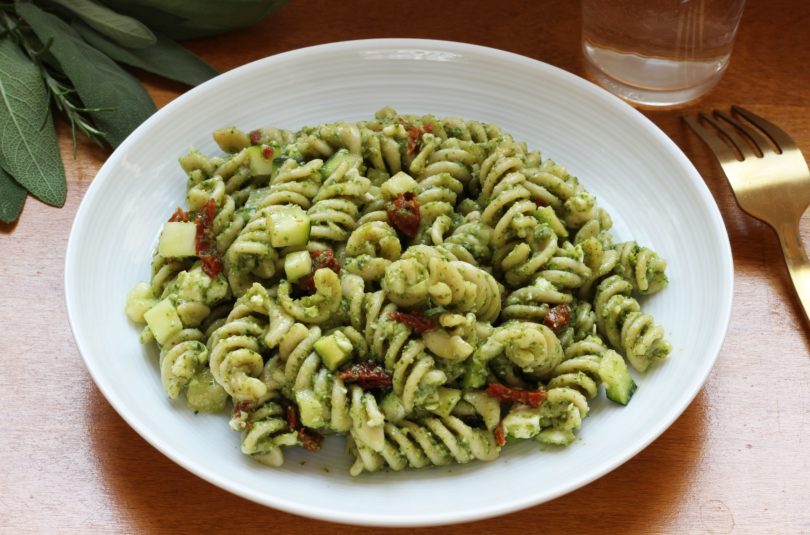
x: 12, y: 198
x: 223, y: 13
x: 115, y: 100
x: 165, y: 57
x: 124, y: 30
x: 28, y: 148
x: 199, y: 18
x: 154, y: 18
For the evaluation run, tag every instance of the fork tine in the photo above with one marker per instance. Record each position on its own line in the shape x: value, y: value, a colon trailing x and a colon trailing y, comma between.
x: 720, y: 149
x: 780, y: 138
x: 731, y: 134
x: 759, y: 140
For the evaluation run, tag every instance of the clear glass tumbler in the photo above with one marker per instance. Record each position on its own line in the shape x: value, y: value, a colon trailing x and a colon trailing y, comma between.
x: 658, y: 53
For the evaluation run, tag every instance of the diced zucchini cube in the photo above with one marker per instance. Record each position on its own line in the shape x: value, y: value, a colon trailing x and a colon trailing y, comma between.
x: 310, y: 408
x: 334, y: 349
x: 163, y: 321
x: 297, y: 265
x: 619, y: 385
x: 289, y: 229
x: 334, y: 161
x: 178, y: 239
x: 262, y: 159
x: 446, y: 401
x: 204, y: 394
x: 392, y: 407
x: 139, y: 300
x: 256, y: 197
x: 397, y: 185
x: 475, y: 373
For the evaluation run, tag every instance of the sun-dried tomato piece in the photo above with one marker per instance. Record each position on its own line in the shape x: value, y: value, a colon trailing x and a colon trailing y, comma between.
x: 539, y: 201
x: 243, y: 406
x: 320, y: 259
x: 255, y: 136
x: 403, y: 214
x: 179, y: 215
x: 205, y: 223
x: 212, y: 265
x: 414, y: 319
x: 292, y: 417
x: 415, y: 135
x: 267, y: 152
x: 367, y: 375
x: 310, y: 440
x: 558, y: 317
x: 500, y: 436
x: 533, y: 398
x: 205, y: 243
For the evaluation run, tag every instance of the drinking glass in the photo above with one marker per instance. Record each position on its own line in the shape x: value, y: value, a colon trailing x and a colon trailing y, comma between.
x: 658, y: 53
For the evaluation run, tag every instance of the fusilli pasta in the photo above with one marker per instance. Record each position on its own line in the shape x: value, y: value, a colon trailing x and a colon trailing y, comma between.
x: 430, y: 288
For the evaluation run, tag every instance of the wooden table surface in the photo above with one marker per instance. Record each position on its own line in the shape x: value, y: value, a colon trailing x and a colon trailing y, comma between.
x: 737, y: 460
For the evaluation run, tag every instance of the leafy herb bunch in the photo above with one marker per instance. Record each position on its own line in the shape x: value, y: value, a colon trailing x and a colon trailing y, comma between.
x: 66, y: 53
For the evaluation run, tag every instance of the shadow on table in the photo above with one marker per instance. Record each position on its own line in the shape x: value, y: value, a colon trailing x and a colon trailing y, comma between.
x: 155, y: 495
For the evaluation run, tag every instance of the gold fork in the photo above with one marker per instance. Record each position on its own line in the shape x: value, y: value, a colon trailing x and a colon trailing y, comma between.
x: 769, y: 177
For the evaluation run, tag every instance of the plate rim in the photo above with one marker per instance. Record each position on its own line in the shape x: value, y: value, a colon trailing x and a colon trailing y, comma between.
x: 403, y: 520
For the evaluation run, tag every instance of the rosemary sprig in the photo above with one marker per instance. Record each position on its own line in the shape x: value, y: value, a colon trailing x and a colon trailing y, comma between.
x: 65, y: 57
x: 63, y: 97
x: 67, y: 102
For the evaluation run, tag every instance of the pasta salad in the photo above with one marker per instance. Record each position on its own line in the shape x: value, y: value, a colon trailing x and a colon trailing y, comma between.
x: 430, y: 288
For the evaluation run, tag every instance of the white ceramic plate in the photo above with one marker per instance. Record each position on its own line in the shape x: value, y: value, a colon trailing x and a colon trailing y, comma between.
x: 652, y: 191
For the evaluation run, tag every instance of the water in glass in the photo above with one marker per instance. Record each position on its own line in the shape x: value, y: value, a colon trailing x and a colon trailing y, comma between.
x: 658, y: 53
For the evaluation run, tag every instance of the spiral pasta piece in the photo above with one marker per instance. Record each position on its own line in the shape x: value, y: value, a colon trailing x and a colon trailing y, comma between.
x: 370, y: 249
x: 531, y: 303
x: 181, y: 357
x: 566, y: 268
x: 550, y: 184
x: 628, y: 330
x: 425, y: 274
x: 367, y: 427
x: 598, y: 254
x: 251, y: 257
x: 414, y: 375
x: 554, y: 422
x: 293, y: 183
x: 335, y: 210
x: 194, y: 292
x: 469, y: 242
x: 228, y: 222
x: 532, y: 347
x: 385, y: 336
x: 520, y: 261
x: 641, y: 267
x: 235, y: 347
x: 265, y: 431
x: 236, y: 172
x: 581, y: 368
x: 341, y: 135
x: 424, y: 442
x: 582, y: 324
x: 314, y: 308
x: 164, y: 271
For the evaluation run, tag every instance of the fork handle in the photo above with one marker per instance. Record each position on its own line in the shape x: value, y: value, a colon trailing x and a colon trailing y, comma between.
x: 797, y: 263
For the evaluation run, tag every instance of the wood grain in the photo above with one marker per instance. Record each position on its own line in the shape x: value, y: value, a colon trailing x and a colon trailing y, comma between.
x: 736, y: 461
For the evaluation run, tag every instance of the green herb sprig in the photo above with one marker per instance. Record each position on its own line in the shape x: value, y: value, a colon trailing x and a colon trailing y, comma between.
x: 66, y: 55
